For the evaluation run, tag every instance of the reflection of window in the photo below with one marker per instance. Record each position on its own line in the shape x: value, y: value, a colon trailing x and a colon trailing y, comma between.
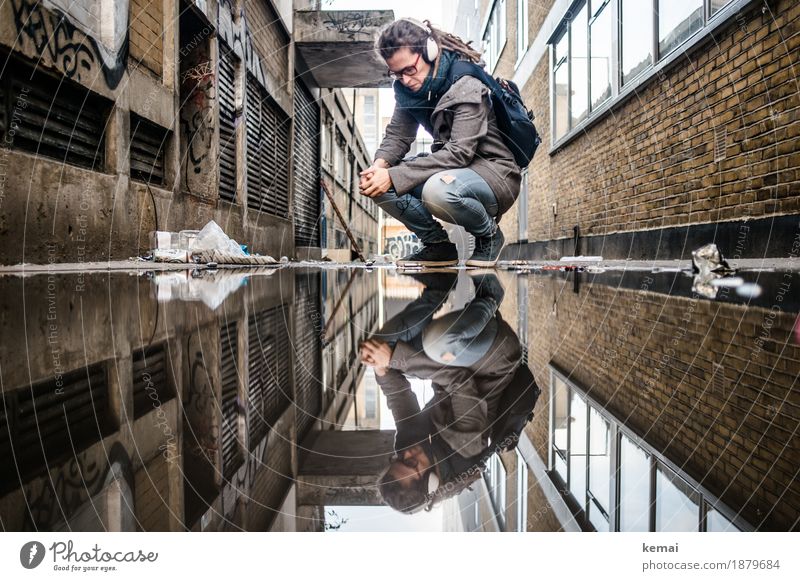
x: 600, y: 33
x: 496, y: 483
x: 677, y: 505
x: 634, y: 493
x: 716, y: 5
x: 522, y: 493
x: 590, y: 446
x: 370, y: 125
x: 637, y: 37
x: 677, y: 21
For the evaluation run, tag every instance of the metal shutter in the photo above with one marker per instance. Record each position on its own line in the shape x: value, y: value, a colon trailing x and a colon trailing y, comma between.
x: 227, y: 122
x: 229, y: 428
x: 308, y: 347
x: 269, y: 388
x: 267, y: 152
x: 148, y: 143
x: 48, y: 421
x: 60, y: 119
x: 306, y: 168
x: 152, y: 380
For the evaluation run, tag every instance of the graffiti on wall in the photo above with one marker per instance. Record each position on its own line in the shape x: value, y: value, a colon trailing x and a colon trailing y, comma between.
x: 56, y: 40
x: 402, y: 245
x: 351, y: 24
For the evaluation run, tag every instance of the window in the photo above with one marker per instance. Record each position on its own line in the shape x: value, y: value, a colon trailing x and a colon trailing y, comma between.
x: 370, y: 125
x: 522, y: 28
x: 494, y: 37
x: 561, y: 85
x: 600, y: 55
x: 579, y: 69
x: 590, y: 447
x: 602, y: 47
x: 522, y: 206
x: 677, y: 21
x: 637, y: 38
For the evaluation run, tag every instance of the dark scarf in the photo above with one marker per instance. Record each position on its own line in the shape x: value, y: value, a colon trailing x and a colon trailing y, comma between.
x: 421, y: 103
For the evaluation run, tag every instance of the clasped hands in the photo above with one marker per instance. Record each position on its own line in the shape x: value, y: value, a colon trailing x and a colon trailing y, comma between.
x: 375, y: 180
x: 376, y: 353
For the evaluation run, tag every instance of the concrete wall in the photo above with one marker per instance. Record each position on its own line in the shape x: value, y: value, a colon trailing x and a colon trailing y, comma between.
x: 104, y: 214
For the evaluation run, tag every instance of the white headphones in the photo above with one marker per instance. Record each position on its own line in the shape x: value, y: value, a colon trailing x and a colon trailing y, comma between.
x: 431, y: 49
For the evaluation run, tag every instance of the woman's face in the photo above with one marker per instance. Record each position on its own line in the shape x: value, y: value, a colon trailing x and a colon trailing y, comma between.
x: 402, y: 61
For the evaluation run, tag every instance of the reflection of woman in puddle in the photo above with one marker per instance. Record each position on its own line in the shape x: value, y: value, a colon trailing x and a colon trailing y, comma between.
x: 470, y: 356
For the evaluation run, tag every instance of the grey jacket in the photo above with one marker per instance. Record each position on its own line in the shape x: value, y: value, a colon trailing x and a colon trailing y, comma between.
x: 465, y: 398
x: 465, y: 123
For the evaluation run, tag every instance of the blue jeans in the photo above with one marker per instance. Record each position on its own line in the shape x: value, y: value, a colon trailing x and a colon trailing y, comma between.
x: 467, y: 201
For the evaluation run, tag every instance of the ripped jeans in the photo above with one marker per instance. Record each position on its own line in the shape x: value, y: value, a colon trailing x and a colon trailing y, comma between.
x: 467, y: 200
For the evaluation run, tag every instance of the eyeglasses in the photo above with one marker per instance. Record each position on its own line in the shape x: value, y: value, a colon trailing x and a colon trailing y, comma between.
x: 408, y: 71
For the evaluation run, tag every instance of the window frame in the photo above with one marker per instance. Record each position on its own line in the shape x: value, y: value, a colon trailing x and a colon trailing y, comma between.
x: 621, y: 92
x: 656, y: 461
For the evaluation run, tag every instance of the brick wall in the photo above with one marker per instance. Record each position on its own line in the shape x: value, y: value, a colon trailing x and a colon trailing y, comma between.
x: 269, y: 39
x: 721, y: 402
x: 146, y: 30
x: 651, y: 162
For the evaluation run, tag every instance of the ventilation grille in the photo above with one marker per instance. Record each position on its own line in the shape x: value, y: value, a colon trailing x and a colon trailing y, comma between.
x: 152, y: 380
x: 308, y: 347
x: 227, y: 123
x: 54, y: 117
x: 306, y: 168
x: 43, y: 424
x: 231, y: 451
x: 148, y: 143
x: 267, y: 153
x: 269, y: 387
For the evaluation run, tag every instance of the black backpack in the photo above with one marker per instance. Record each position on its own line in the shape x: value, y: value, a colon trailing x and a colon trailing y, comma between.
x: 513, y: 119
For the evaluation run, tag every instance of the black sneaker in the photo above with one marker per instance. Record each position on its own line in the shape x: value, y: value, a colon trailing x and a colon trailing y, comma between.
x: 487, y: 249
x: 439, y: 254
x: 487, y: 285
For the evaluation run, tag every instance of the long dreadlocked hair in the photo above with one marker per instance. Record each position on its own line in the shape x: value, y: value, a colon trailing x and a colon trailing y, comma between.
x: 400, y: 33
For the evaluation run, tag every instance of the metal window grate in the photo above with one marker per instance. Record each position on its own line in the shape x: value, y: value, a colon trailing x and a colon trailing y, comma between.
x: 231, y: 450
x: 153, y: 382
x: 267, y: 152
x: 42, y: 425
x: 53, y: 117
x: 306, y: 168
x: 227, y: 122
x: 308, y: 347
x: 269, y: 389
x: 148, y: 146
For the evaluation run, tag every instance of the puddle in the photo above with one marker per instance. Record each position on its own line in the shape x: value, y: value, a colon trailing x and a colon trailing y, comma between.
x: 249, y: 400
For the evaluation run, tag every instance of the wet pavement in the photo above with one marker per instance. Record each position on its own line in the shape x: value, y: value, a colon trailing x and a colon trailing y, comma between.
x: 246, y: 399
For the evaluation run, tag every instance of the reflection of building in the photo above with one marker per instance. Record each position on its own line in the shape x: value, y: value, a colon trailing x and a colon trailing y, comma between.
x: 649, y: 125
x: 666, y: 411
x: 170, y: 415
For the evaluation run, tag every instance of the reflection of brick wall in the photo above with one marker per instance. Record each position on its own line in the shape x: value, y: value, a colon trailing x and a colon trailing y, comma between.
x: 269, y: 39
x: 652, y: 163
x: 714, y: 402
x: 146, y: 31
